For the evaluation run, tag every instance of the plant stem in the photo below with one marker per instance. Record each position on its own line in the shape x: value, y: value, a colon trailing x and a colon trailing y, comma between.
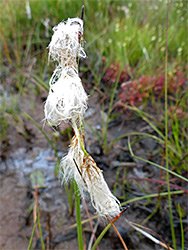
x: 121, y: 239
x: 78, y: 216
x: 181, y: 226
x: 32, y: 235
x: 109, y: 111
x: 70, y: 192
x: 155, y: 164
x: 40, y: 230
x: 151, y: 196
x: 166, y: 133
x: 46, y: 136
x: 101, y: 236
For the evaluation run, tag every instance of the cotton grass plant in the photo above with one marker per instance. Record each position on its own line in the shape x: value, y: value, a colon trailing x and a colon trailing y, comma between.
x: 67, y: 102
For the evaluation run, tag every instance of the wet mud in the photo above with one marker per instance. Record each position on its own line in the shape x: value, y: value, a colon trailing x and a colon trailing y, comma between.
x: 17, y: 190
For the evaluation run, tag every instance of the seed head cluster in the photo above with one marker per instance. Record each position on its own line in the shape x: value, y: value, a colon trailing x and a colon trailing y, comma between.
x: 67, y: 101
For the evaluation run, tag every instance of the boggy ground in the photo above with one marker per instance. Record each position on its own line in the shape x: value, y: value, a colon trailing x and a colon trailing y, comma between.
x: 21, y: 157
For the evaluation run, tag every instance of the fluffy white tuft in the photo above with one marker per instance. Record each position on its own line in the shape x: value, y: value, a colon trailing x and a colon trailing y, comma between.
x: 65, y: 45
x: 71, y: 165
x: 102, y: 199
x: 67, y: 100
x: 89, y: 179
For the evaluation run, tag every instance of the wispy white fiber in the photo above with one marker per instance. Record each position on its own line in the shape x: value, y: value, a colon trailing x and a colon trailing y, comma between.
x: 101, y: 197
x: 83, y: 169
x: 71, y: 165
x: 67, y: 101
x: 65, y: 45
x: 67, y: 98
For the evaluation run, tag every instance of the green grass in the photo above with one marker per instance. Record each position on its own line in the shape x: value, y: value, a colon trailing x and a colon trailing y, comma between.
x: 135, y: 38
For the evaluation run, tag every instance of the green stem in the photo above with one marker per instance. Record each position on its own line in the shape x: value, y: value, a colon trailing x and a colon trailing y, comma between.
x: 78, y: 216
x: 155, y: 164
x: 109, y: 111
x: 69, y: 192
x: 166, y: 134
x: 48, y: 139
x: 136, y: 133
x: 32, y: 235
x: 151, y: 196
x: 152, y: 214
x: 181, y: 226
x: 40, y: 230
x: 79, y: 132
x: 101, y: 236
x: 82, y: 145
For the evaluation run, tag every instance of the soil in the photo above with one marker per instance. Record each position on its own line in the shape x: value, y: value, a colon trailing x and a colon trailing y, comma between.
x: 21, y: 157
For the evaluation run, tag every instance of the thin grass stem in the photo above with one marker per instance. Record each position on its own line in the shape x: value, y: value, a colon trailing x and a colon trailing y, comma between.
x: 155, y: 164
x: 149, y: 236
x: 32, y: 235
x: 40, y: 230
x: 70, y: 193
x: 90, y: 222
x: 46, y: 136
x: 151, y: 196
x: 121, y: 239
x: 78, y: 217
x: 109, y: 111
x: 181, y: 226
x: 135, y: 133
x: 166, y: 133
x: 105, y: 230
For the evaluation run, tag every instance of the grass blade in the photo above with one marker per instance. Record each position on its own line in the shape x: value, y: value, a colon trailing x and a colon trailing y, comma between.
x: 155, y: 164
x: 40, y: 231
x: 166, y: 133
x: 32, y: 235
x: 149, y: 236
x: 151, y: 196
x: 105, y: 230
x: 78, y: 217
x: 121, y: 239
x: 181, y: 226
x: 46, y: 136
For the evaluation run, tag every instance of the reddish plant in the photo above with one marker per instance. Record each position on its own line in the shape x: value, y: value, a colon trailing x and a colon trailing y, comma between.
x: 134, y: 92
x: 138, y: 90
x: 111, y: 74
x: 178, y: 111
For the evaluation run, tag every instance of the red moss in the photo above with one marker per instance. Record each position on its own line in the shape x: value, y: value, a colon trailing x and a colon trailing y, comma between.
x: 112, y: 73
x: 138, y: 90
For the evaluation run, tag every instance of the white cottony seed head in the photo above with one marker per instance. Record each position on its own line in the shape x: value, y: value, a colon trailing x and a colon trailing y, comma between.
x: 71, y: 164
x: 65, y: 45
x: 102, y: 199
x: 67, y: 100
x: 89, y: 178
